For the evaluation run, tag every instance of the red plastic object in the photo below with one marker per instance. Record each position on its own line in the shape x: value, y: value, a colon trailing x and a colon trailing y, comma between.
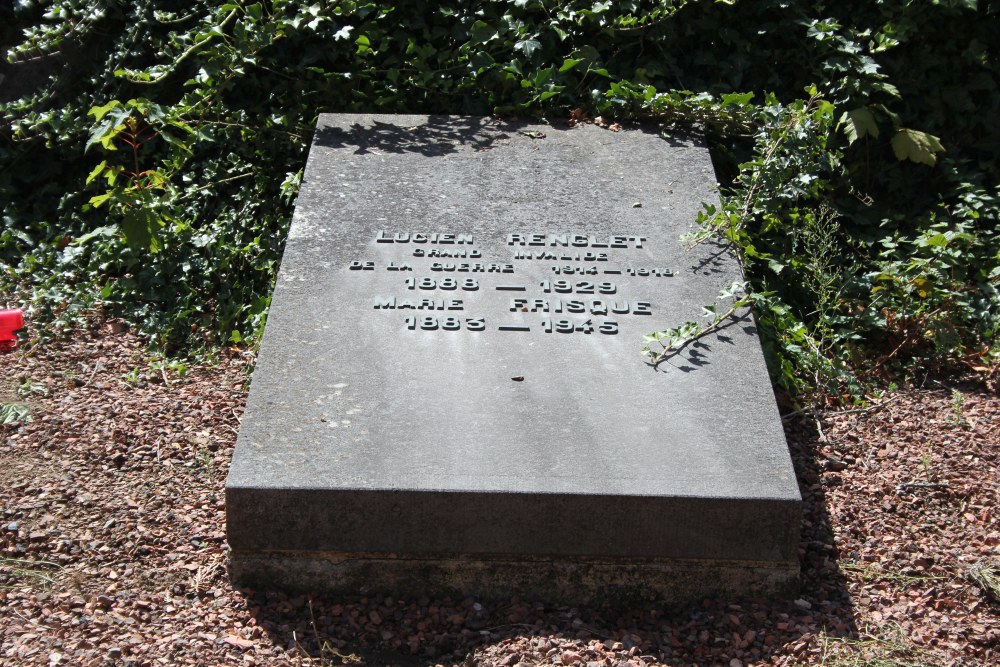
x: 10, y: 321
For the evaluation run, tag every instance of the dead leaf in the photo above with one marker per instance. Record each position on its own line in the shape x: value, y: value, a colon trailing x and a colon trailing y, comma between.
x: 238, y: 642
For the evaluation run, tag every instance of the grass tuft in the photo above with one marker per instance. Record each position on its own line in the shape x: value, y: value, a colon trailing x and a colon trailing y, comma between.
x: 13, y: 569
x: 986, y: 574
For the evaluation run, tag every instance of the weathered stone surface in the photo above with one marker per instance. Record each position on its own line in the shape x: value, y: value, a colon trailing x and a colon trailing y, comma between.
x: 568, y: 579
x: 369, y: 437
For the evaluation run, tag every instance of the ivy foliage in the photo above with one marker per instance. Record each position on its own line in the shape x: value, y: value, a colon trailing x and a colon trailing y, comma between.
x: 150, y: 151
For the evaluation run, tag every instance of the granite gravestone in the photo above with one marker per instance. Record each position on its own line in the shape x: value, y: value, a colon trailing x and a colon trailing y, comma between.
x: 450, y: 394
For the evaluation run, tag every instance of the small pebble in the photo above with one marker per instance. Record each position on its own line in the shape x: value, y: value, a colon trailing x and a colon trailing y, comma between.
x: 836, y: 465
x: 570, y: 657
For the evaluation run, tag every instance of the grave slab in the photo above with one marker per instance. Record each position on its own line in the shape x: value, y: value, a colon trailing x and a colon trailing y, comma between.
x: 450, y: 396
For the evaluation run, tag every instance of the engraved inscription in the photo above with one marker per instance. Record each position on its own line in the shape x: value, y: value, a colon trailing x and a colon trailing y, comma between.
x: 391, y: 303
x: 472, y: 253
x: 581, y: 287
x: 644, y: 271
x: 585, y: 258
x: 575, y: 240
x: 419, y: 237
x: 477, y: 267
x: 580, y: 269
x: 432, y: 323
x: 561, y: 257
x: 594, y: 307
x: 362, y: 266
x: 607, y: 327
x: 468, y: 284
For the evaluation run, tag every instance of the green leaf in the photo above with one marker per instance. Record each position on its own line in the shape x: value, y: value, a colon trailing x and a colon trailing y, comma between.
x: 937, y: 240
x: 97, y: 170
x: 111, y: 123
x: 916, y: 146
x: 858, y: 124
x: 736, y: 288
x: 528, y: 46
x: 542, y: 77
x: 176, y: 141
x: 97, y: 200
x: 138, y: 225
x: 969, y: 5
x: 481, y: 32
x: 99, y: 112
x: 99, y: 232
x: 738, y: 99
x: 155, y: 244
x: 14, y: 413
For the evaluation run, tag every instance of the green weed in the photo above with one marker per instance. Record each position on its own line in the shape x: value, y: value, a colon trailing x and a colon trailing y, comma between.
x: 958, y: 408
x: 15, y: 569
x: 28, y: 388
x: 888, y: 649
x: 15, y: 413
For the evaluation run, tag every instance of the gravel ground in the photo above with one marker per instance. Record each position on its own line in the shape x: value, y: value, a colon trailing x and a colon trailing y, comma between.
x: 113, y: 552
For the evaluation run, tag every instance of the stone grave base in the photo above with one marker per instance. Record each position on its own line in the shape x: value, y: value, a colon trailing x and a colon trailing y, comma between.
x: 566, y: 580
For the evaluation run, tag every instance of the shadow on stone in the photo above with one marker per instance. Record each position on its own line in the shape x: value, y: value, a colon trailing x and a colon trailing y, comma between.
x: 712, y: 262
x: 440, y: 135
x: 679, y: 137
x: 693, y: 356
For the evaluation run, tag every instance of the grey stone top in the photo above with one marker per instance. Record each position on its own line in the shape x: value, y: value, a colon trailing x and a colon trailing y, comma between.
x: 461, y: 307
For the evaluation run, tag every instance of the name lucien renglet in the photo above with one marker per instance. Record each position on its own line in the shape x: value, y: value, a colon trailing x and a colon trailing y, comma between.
x: 523, y: 239
x: 526, y: 246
